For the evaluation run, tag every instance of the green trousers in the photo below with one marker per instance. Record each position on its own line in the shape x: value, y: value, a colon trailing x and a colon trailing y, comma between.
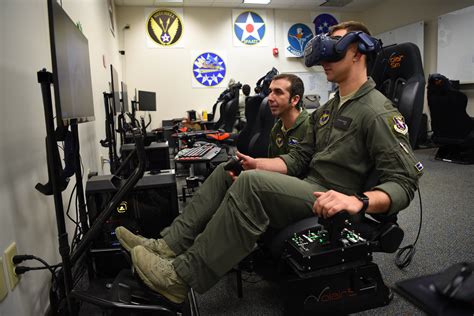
x: 220, y: 225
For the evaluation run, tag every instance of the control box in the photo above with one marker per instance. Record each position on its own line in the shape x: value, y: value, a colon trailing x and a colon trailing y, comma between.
x: 317, y: 248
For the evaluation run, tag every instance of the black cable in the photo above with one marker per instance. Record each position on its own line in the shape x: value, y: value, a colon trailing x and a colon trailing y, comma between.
x: 22, y: 269
x: 69, y: 205
x: 405, y: 254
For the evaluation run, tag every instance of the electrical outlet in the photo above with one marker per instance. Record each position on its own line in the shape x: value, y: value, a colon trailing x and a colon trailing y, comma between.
x: 9, y: 253
x: 3, y: 285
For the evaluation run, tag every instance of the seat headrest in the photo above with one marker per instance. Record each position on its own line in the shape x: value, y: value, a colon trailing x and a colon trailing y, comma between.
x: 439, y: 83
x: 263, y: 84
x: 397, y: 61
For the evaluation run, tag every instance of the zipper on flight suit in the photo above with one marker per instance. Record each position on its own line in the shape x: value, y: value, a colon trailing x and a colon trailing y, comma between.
x: 333, y: 118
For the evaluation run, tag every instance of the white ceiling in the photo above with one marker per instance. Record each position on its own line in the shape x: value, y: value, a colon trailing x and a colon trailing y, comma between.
x: 354, y: 6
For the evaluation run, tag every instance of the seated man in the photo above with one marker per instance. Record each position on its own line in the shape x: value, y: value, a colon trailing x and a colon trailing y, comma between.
x: 291, y: 126
x: 353, y: 133
x: 285, y: 102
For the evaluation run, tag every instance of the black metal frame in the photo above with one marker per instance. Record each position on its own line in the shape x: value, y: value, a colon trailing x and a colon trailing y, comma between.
x: 69, y: 259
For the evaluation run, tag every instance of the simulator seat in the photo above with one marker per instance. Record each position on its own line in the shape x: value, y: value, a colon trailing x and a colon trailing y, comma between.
x: 254, y: 138
x: 453, y: 128
x: 398, y: 73
x: 229, y: 114
x: 326, y: 265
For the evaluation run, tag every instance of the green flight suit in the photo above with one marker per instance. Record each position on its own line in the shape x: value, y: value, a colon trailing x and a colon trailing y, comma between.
x: 281, y: 141
x: 221, y: 224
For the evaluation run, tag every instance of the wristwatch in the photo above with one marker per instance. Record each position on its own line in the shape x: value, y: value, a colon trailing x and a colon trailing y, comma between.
x: 364, y: 199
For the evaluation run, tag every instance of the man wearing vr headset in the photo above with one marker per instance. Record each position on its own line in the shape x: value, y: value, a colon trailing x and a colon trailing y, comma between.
x: 355, y: 132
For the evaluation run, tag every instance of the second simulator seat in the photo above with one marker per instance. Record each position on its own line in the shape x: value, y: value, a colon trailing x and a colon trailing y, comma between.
x: 254, y: 138
x: 453, y: 128
x: 354, y: 282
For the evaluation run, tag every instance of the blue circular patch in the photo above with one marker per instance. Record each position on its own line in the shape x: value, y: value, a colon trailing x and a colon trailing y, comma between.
x: 249, y: 28
x: 298, y: 36
x: 322, y: 23
x: 209, y: 69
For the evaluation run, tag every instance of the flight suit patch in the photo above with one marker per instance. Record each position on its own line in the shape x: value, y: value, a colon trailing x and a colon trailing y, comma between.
x: 292, y: 141
x: 343, y: 123
x: 324, y: 118
x: 419, y: 166
x: 400, y: 126
x: 279, y: 140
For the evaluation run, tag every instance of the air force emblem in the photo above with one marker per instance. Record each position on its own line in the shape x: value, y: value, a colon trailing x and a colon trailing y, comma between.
x: 164, y: 27
x: 249, y: 28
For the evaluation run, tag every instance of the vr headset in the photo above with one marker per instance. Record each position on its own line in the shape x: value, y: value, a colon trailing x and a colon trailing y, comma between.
x: 322, y: 47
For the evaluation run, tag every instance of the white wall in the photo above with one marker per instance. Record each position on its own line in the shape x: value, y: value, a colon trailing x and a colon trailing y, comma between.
x: 381, y: 19
x: 27, y: 216
x: 168, y: 71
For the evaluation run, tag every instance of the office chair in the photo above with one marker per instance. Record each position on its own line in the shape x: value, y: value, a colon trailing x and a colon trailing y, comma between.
x: 453, y: 128
x: 346, y: 280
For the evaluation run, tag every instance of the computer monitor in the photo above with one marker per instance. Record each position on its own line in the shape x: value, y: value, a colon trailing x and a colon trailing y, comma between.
x: 146, y: 101
x: 71, y: 67
x: 125, y: 107
x: 115, y: 89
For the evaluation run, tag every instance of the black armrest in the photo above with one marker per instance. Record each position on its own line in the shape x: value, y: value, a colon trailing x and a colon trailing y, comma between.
x: 384, y: 236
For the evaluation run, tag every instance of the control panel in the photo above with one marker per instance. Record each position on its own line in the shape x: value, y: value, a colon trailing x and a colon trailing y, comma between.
x: 325, y: 246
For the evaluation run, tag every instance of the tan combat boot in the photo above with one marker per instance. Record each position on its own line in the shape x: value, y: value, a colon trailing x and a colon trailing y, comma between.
x: 159, y: 274
x: 129, y: 241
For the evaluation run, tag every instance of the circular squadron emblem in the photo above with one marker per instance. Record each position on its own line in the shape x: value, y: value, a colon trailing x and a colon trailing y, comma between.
x: 209, y: 69
x: 164, y: 27
x: 323, y: 22
x: 298, y: 36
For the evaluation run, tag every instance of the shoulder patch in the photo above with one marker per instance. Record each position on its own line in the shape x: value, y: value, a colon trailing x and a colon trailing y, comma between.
x: 399, y: 125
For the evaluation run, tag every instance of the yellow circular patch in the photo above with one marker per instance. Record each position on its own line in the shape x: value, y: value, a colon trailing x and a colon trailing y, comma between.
x: 164, y: 27
x: 324, y: 118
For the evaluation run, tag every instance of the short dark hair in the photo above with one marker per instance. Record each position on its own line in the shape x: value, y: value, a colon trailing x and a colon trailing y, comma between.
x: 350, y: 26
x: 296, y: 86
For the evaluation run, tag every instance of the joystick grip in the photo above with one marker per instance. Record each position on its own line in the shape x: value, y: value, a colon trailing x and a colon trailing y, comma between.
x: 234, y: 165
